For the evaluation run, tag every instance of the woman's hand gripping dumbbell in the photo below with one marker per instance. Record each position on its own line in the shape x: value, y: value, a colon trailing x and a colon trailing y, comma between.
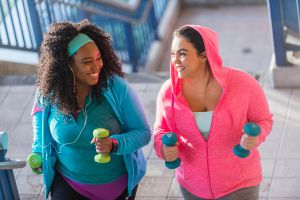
x: 104, y: 145
x: 35, y: 162
x: 248, y: 140
x: 170, y: 150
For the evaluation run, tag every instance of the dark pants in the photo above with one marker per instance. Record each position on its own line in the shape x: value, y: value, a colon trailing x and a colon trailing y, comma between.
x: 249, y: 193
x: 61, y: 190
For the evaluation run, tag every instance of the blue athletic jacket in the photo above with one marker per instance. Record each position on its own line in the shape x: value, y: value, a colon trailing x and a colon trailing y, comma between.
x: 135, y: 133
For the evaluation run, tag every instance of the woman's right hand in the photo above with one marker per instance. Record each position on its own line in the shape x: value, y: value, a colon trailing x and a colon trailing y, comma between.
x: 35, y: 161
x: 170, y: 153
x: 38, y: 170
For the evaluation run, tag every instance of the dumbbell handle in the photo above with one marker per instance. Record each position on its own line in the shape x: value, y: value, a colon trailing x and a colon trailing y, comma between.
x: 170, y: 139
x: 250, y: 129
x: 101, y: 157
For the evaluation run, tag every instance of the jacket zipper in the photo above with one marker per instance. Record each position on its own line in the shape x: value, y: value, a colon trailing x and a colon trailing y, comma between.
x: 206, y: 147
x: 206, y: 143
x: 209, y: 179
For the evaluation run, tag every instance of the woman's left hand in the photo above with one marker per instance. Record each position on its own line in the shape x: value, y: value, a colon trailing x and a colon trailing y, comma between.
x: 103, y: 145
x: 249, y: 142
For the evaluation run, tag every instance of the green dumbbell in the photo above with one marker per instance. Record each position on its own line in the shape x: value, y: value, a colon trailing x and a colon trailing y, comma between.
x: 35, y: 161
x: 101, y: 157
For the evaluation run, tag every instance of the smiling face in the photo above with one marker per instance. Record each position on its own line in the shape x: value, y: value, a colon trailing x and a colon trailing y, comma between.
x: 185, y: 59
x: 87, y: 64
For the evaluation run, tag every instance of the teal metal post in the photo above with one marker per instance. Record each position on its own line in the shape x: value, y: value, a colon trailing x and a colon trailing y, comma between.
x: 8, y: 186
x: 132, y: 53
x: 36, y: 25
x: 276, y: 18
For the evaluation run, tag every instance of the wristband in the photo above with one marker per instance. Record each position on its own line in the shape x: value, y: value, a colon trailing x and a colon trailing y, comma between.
x: 115, y: 145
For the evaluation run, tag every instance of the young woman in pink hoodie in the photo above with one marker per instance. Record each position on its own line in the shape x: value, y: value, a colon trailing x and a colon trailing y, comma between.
x: 207, y: 105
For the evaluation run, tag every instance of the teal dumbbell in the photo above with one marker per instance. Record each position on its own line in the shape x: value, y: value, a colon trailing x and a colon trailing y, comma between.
x: 170, y: 139
x: 101, y: 157
x: 35, y: 161
x: 250, y: 129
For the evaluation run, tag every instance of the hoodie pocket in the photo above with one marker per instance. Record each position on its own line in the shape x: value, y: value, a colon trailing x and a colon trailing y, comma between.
x: 195, y: 174
x: 225, y: 174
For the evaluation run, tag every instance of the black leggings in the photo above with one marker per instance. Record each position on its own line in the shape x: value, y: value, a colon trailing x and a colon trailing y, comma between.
x: 61, y: 190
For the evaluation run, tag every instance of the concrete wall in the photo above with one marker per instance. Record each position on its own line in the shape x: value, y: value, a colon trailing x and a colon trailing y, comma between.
x: 12, y: 68
x: 17, y: 62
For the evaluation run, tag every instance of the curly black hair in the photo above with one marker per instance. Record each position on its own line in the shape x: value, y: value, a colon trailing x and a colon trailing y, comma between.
x: 55, y: 80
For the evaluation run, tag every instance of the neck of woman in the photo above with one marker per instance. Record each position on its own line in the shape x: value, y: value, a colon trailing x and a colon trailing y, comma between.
x: 81, y: 93
x: 199, y: 80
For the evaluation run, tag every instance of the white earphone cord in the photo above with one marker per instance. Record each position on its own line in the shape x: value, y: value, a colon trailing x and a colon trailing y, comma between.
x: 84, y: 125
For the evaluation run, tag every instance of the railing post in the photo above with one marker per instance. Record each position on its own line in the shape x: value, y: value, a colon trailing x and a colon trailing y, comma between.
x: 8, y: 186
x: 130, y: 42
x: 276, y: 18
x: 36, y: 25
x: 154, y: 21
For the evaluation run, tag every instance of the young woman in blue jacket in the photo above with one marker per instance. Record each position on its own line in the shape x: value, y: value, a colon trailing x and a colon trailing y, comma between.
x: 80, y: 87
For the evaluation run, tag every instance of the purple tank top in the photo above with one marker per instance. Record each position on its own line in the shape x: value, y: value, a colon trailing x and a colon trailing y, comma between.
x: 109, y: 191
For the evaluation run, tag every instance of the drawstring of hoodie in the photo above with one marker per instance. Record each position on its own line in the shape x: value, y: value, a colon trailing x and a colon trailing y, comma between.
x: 173, y: 113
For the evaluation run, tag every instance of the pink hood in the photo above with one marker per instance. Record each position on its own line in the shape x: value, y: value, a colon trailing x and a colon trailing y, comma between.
x: 210, y: 39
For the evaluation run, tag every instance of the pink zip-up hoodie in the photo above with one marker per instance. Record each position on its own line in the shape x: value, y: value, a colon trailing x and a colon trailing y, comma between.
x: 209, y: 169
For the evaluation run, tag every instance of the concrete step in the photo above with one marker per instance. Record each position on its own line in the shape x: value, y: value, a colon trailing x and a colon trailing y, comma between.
x: 286, y: 76
x: 14, y: 80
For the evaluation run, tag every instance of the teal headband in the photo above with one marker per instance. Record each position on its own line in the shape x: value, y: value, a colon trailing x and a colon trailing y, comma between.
x: 77, y: 42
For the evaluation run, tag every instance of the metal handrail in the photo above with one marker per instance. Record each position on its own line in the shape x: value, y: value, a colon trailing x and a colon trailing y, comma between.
x: 12, y: 164
x: 8, y: 186
x: 121, y: 5
x: 132, y: 32
x: 92, y: 10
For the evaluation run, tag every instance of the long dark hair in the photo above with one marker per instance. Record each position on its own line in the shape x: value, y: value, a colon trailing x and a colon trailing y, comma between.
x: 194, y: 37
x: 55, y: 80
